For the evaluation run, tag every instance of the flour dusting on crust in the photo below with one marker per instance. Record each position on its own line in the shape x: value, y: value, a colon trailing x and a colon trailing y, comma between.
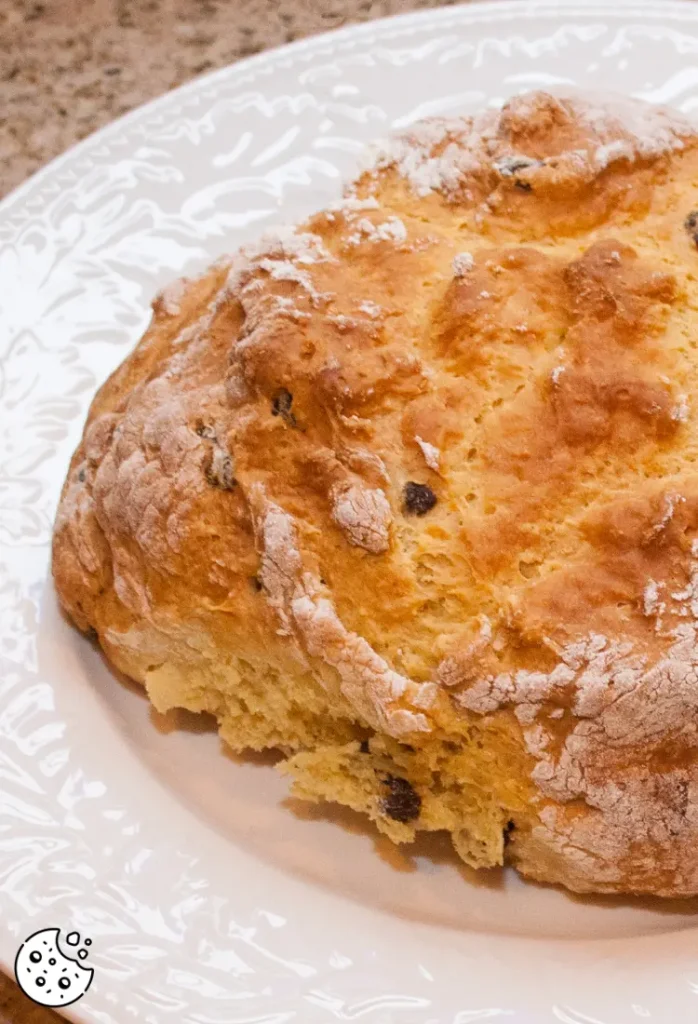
x: 170, y: 298
x: 297, y: 596
x: 462, y: 263
x: 451, y: 156
x: 364, y: 515
x: 624, y: 713
x: 430, y: 452
x: 390, y: 230
x: 283, y: 254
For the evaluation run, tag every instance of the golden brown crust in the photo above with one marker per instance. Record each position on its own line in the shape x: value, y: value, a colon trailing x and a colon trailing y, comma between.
x: 409, y: 493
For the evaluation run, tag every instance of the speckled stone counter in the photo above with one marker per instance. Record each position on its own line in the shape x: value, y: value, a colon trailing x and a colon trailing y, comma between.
x: 67, y: 67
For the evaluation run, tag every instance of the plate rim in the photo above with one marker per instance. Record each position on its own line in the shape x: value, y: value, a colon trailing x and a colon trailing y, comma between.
x: 476, y: 10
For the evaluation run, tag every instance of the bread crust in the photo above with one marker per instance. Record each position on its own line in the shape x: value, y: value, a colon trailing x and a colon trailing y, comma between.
x: 410, y: 494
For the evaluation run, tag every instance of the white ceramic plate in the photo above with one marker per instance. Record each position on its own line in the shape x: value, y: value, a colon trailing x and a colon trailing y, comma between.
x: 210, y: 897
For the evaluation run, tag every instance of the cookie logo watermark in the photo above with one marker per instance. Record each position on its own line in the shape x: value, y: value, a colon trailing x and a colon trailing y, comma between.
x: 49, y: 975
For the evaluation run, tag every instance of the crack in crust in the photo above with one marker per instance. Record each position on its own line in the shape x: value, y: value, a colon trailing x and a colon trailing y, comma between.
x: 372, y: 688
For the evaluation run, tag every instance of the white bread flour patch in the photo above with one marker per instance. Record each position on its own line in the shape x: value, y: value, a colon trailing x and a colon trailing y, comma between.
x: 299, y: 599
x: 364, y: 514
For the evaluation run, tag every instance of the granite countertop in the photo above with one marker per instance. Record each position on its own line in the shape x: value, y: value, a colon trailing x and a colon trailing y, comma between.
x: 67, y: 67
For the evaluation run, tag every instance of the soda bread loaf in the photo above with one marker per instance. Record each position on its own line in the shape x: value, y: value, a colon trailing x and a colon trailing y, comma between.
x: 410, y: 494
